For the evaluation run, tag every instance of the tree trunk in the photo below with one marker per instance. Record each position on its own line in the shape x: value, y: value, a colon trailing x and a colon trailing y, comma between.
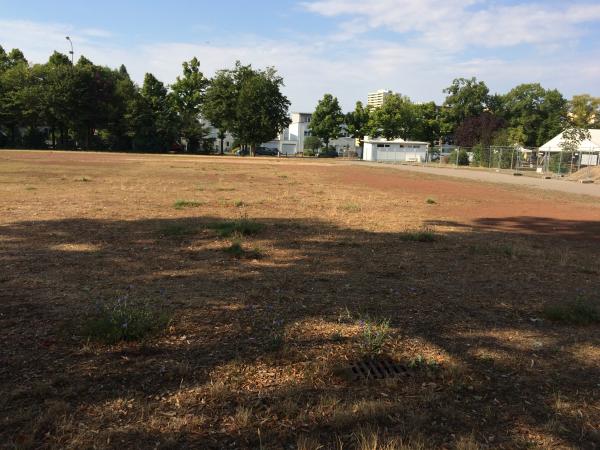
x: 222, y: 146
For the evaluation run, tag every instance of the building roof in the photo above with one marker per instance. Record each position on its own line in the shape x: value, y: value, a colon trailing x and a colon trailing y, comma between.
x: 592, y: 144
x: 382, y: 140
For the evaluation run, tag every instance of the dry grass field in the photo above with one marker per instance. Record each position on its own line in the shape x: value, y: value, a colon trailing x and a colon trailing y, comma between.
x: 262, y: 280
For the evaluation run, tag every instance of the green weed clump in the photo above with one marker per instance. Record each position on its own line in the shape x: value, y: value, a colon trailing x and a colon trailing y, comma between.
x: 374, y: 335
x: 350, y: 207
x: 577, y: 312
x: 180, y: 204
x: 430, y: 201
x: 418, y: 236
x: 125, y: 320
x: 242, y: 227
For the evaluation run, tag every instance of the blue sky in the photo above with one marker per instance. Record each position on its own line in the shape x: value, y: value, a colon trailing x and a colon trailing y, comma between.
x: 345, y: 47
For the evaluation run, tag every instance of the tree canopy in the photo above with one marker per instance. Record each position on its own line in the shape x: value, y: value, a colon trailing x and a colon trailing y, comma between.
x: 326, y: 122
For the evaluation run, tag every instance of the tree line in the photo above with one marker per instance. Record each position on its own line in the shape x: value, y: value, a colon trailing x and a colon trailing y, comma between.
x: 62, y: 105
x: 528, y: 115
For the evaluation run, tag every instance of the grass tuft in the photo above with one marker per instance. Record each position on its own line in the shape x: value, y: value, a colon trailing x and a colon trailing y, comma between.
x: 576, y: 312
x: 430, y: 201
x: 374, y: 335
x: 350, y: 207
x: 180, y: 204
x: 242, y: 227
x: 418, y: 236
x: 124, y: 320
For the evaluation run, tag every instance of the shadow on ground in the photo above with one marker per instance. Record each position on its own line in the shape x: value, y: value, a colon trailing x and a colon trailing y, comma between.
x: 266, y: 335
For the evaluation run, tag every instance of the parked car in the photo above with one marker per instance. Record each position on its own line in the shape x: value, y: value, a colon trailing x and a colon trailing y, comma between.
x: 265, y: 151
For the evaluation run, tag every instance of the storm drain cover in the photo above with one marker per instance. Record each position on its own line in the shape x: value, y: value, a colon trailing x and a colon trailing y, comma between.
x: 375, y: 369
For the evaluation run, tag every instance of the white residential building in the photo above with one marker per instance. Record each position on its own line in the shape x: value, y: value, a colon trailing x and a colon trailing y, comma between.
x: 396, y: 150
x: 376, y: 99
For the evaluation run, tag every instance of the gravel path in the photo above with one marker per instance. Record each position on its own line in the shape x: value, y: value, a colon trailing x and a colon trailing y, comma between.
x: 494, y: 177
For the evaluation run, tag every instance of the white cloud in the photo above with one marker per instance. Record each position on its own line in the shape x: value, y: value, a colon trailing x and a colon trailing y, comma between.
x: 457, y: 24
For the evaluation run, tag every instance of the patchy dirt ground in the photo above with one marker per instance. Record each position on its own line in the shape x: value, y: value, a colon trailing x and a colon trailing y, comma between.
x: 253, y: 356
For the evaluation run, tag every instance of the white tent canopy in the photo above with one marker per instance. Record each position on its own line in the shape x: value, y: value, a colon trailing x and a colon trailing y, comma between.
x: 586, y: 146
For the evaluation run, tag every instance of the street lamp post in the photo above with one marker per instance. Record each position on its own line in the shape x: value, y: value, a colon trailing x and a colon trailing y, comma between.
x: 71, y: 52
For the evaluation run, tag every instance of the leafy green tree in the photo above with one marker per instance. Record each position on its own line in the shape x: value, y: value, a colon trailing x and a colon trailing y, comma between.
x: 153, y: 119
x: 326, y: 122
x: 465, y: 98
x: 396, y: 118
x: 262, y: 110
x: 220, y: 100
x: 538, y: 112
x: 357, y: 122
x: 188, y: 94
x: 584, y: 111
x: 312, y: 143
x: 428, y: 123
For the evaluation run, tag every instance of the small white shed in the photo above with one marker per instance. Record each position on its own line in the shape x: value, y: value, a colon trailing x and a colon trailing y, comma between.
x: 396, y: 150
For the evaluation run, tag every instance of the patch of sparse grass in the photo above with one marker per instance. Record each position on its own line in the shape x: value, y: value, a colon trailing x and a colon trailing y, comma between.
x: 30, y: 188
x: 125, y: 320
x: 239, y: 204
x: 430, y: 201
x: 577, y: 312
x: 350, y: 207
x: 225, y: 189
x: 180, y: 204
x: 242, y: 227
x: 83, y: 179
x: 420, y: 362
x: 177, y: 230
x: 371, y: 439
x: 418, y: 236
x: 374, y: 335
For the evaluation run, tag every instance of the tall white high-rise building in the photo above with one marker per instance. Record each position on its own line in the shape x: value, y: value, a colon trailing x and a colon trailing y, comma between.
x: 376, y: 99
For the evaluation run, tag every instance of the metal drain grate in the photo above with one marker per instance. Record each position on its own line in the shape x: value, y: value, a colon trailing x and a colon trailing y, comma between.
x: 377, y: 369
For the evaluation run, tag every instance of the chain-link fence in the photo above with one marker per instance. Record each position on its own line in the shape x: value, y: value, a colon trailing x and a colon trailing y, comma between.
x: 543, y: 160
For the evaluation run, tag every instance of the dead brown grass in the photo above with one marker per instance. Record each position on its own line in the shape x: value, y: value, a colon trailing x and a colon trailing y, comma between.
x: 251, y: 357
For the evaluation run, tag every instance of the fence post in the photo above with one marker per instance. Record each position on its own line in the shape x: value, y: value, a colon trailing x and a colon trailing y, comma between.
x: 560, y: 163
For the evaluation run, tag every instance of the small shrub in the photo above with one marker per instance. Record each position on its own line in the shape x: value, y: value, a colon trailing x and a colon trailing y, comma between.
x: 577, y: 312
x: 350, y: 207
x: 242, y: 226
x: 374, y: 335
x: 180, y: 204
x: 124, y: 320
x: 430, y: 201
x: 418, y: 236
x: 235, y: 249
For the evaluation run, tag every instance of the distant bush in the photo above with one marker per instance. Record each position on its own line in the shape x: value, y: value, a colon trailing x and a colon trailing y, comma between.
x: 462, y: 155
x: 125, y: 320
